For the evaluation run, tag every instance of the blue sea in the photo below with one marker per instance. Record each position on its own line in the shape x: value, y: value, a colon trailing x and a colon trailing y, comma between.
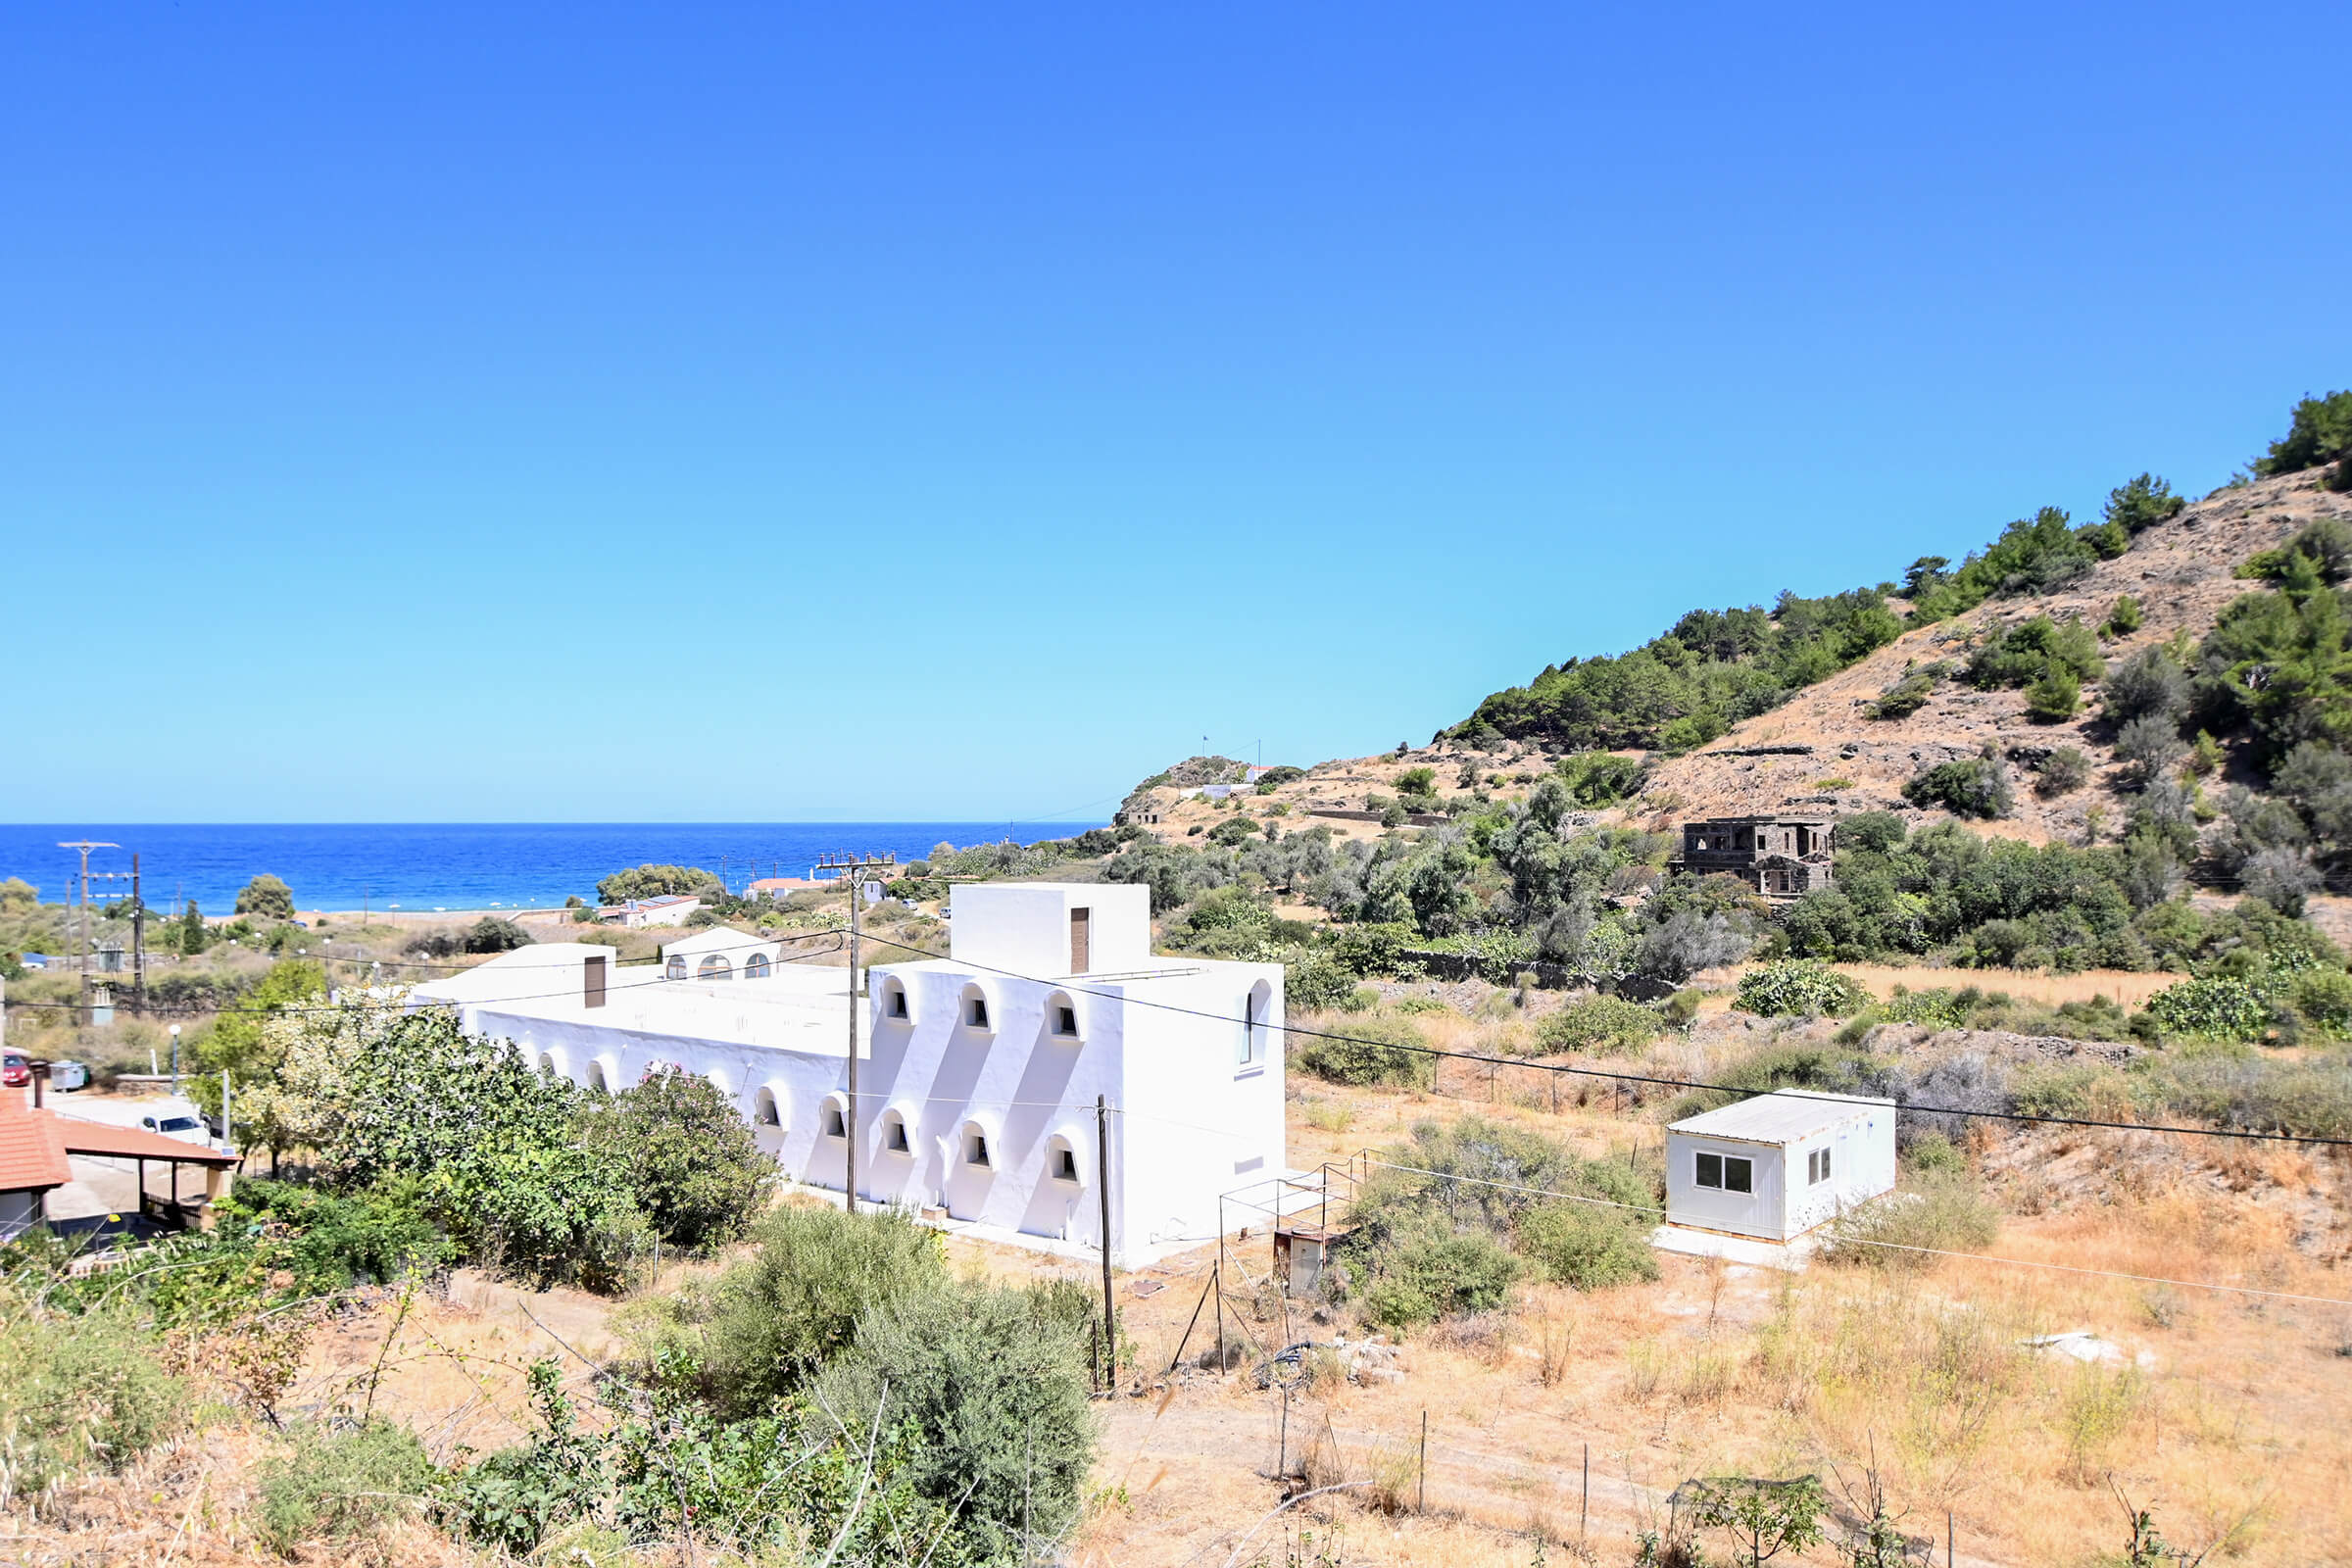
x: 456, y: 865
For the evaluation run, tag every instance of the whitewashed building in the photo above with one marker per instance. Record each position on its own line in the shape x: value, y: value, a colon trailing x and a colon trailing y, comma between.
x: 1774, y: 1167
x: 978, y: 1073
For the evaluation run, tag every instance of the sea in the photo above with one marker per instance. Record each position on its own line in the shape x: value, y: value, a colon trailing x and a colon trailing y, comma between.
x: 424, y: 867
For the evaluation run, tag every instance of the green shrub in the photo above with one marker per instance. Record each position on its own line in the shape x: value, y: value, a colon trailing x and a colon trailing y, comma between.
x: 2065, y: 770
x: 335, y: 1242
x: 334, y: 1485
x: 2320, y: 430
x: 1937, y: 1214
x: 2122, y: 616
x: 1313, y: 981
x: 494, y: 934
x: 2082, y: 1091
x: 1379, y: 1050
x: 2054, y: 698
x: 2324, y: 997
x: 2222, y: 1007
x: 1935, y: 1008
x: 1799, y: 988
x: 1426, y: 1272
x: 1934, y: 1154
x: 1910, y: 694
x: 1587, y: 1248
x: 2143, y: 502
x: 696, y: 1170
x: 1977, y: 786
x: 1599, y: 1021
x: 81, y: 1394
x: 1595, y: 779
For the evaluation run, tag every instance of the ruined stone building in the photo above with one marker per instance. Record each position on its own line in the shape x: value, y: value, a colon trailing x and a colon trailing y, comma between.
x: 1779, y: 856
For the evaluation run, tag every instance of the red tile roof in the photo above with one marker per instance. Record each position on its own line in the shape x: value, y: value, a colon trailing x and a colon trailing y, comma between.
x: 129, y: 1143
x: 32, y: 1158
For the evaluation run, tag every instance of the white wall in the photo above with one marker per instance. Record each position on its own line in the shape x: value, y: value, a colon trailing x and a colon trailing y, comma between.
x: 1024, y: 927
x: 1758, y: 1213
x: 1785, y: 1203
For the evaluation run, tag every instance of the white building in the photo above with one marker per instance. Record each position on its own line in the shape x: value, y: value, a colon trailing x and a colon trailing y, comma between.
x: 978, y: 1073
x: 670, y: 908
x: 1774, y: 1167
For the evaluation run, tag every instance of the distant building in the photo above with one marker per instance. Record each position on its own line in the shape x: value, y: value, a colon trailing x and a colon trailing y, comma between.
x: 777, y: 888
x: 1779, y: 856
x: 1776, y: 1166
x: 670, y: 908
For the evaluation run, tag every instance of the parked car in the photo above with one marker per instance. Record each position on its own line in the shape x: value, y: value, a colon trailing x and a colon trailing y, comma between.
x: 16, y: 1069
x: 68, y: 1075
x: 179, y: 1120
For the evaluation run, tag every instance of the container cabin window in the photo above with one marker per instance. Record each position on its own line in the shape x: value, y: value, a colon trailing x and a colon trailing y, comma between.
x: 1727, y: 1173
x: 1817, y: 1167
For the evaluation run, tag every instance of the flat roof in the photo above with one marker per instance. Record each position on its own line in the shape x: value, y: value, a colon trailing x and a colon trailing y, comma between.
x: 1783, y: 1116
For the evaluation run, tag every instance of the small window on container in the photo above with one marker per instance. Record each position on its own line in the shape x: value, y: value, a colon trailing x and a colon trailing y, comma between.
x: 1708, y: 1171
x: 1739, y: 1175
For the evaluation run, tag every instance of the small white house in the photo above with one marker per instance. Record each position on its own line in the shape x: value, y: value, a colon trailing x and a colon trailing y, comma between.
x: 670, y: 908
x: 1776, y: 1166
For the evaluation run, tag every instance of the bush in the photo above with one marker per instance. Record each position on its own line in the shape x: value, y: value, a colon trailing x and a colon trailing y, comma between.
x: 490, y: 934
x: 1975, y: 786
x: 1799, y: 988
x: 335, y: 1242
x: 81, y: 1394
x: 339, y: 1484
x: 2054, y: 698
x: 1313, y: 981
x: 1585, y: 1247
x: 1934, y: 1154
x: 1873, y: 831
x: 2220, y: 1007
x: 2324, y: 997
x: 2062, y: 772
x: 2320, y: 430
x: 1935, y: 1008
x: 1379, y: 1050
x: 696, y: 1170
x: 2123, y: 618
x: 1910, y: 694
x: 268, y: 896
x: 1940, y: 1213
x: 1600, y: 1020
x: 1426, y: 1272
x: 2143, y: 502
x: 1597, y: 779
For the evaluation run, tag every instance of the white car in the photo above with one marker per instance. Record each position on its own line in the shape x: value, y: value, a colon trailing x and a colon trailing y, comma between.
x: 179, y: 1119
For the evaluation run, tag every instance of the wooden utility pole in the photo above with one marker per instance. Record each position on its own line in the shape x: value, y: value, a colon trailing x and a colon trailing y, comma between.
x: 852, y: 871
x: 82, y: 1014
x: 138, y: 941
x: 1111, y: 1334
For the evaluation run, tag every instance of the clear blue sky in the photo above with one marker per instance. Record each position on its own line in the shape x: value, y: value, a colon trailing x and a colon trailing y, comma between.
x: 476, y: 412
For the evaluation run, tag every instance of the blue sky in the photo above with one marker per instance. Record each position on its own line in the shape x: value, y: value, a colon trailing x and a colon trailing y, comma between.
x: 479, y: 412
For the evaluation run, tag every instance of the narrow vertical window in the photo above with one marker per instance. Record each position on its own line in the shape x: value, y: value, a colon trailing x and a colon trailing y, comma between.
x: 1082, y: 940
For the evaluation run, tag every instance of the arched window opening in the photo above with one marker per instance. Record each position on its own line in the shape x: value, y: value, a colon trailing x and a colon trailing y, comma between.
x: 836, y: 1124
x: 764, y: 1109
x: 596, y: 1078
x: 1256, y: 1008
x: 1061, y: 1013
x: 894, y: 1134
x: 547, y: 1063
x: 675, y: 968
x: 755, y: 967
x: 975, y: 1146
x: 975, y: 1011
x: 894, y: 1002
x: 716, y: 967
x: 1065, y: 1164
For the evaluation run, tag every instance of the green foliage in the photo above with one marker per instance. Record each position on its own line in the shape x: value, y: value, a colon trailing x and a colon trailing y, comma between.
x: 994, y: 1380
x: 1977, y: 786
x: 1939, y: 1210
x: 697, y: 1173
x: 492, y: 934
x: 333, y: 1484
x: 1275, y: 777
x: 1314, y: 981
x: 2322, y: 545
x: 332, y: 1242
x: 1597, y: 779
x: 1422, y: 1273
x: 1378, y: 1050
x: 235, y: 1042
x: 2054, y: 698
x: 2220, y: 1007
x: 2123, y: 618
x: 2320, y: 430
x: 2065, y: 770
x: 1934, y: 1154
x: 1599, y: 1021
x: 1764, y: 1517
x: 2278, y: 665
x: 2143, y: 502
x: 1585, y: 1247
x: 1910, y: 694
x: 1874, y: 832
x: 2034, y: 649
x: 512, y: 1498
x: 1233, y: 831
x: 1714, y: 669
x: 767, y: 1324
x: 2324, y: 996
x: 1935, y: 1008
x: 2033, y: 556
x: 1799, y: 988
x: 266, y: 896
x: 82, y: 1393
x: 651, y: 881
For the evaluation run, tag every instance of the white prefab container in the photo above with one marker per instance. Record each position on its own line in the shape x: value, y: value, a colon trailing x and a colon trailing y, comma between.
x: 1776, y: 1166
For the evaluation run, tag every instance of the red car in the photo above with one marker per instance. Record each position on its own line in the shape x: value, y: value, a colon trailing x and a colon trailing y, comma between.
x: 16, y: 1069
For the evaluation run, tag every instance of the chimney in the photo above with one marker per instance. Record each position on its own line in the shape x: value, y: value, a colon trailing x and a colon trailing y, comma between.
x: 592, y: 981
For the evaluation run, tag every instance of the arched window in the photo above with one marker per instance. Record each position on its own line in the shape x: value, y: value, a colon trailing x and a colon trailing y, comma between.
x: 1257, y: 1012
x: 716, y: 967
x: 975, y: 1148
x: 895, y: 1007
x: 1062, y: 1160
x: 973, y: 1009
x: 1063, y: 1020
x: 755, y: 967
x: 675, y: 968
x: 547, y: 1065
x: 596, y: 1078
x: 765, y: 1112
x: 894, y: 1134
x: 834, y: 1122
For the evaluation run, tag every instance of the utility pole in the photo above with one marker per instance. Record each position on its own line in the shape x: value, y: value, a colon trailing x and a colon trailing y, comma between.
x: 138, y: 941
x: 1111, y: 1337
x: 81, y: 1015
x: 852, y: 873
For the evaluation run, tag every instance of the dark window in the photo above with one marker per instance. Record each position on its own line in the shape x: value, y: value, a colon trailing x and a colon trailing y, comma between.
x: 898, y: 1003
x: 978, y: 1014
x: 1710, y: 1170
x: 1065, y: 1021
x: 1738, y: 1174
x: 895, y: 1139
x: 976, y: 1150
x: 1065, y: 1165
x: 1817, y: 1167
x: 835, y: 1126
